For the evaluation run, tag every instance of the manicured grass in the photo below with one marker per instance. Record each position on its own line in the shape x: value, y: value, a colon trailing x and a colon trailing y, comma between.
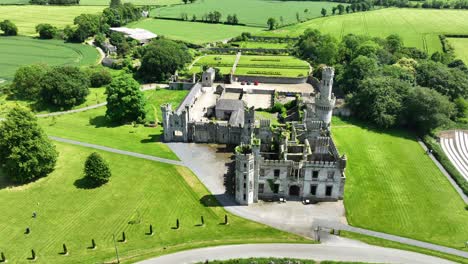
x: 250, y: 12
x: 387, y: 243
x: 197, y: 33
x: 418, y: 27
x: 17, y: 51
x: 276, y: 261
x: 92, y: 127
x: 135, y: 2
x: 392, y: 186
x: 26, y: 17
x: 261, y: 45
x: 280, y: 66
x: 273, y: 117
x: 223, y: 62
x: 460, y: 45
x: 140, y: 193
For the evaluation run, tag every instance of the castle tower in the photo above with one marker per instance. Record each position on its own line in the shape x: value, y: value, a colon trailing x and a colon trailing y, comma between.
x: 325, y: 101
x: 175, y: 124
x: 245, y: 175
x: 249, y: 125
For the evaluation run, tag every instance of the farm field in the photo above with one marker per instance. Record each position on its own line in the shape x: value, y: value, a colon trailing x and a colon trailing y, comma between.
x: 26, y: 17
x: 418, y: 27
x: 460, y: 45
x: 250, y: 12
x: 261, y: 45
x: 223, y: 62
x: 285, y: 66
x: 139, y: 193
x: 390, y: 178
x: 135, y: 2
x: 197, y: 33
x: 92, y: 127
x: 17, y: 51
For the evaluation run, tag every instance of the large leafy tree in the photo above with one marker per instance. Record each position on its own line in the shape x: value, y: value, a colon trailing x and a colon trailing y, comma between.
x: 25, y: 151
x: 26, y: 82
x: 359, y: 69
x: 46, y: 31
x: 125, y: 101
x: 162, y: 58
x: 317, y: 48
x: 96, y: 169
x: 8, y: 28
x: 64, y: 87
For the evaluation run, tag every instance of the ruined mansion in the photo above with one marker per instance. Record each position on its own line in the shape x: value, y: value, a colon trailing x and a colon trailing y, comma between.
x: 296, y: 159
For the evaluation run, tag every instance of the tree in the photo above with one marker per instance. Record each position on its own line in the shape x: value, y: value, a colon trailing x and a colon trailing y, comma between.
x: 46, y: 31
x: 341, y: 9
x: 359, y: 69
x: 65, y: 86
x: 87, y: 25
x: 185, y: 1
x: 323, y: 12
x: 317, y: 48
x: 348, y: 9
x: 96, y: 169
x: 26, y: 153
x: 8, y: 28
x: 427, y: 109
x: 125, y: 101
x: 100, y: 77
x: 115, y: 3
x: 162, y: 58
x: 334, y: 9
x: 394, y: 43
x: 272, y: 24
x: 25, y: 83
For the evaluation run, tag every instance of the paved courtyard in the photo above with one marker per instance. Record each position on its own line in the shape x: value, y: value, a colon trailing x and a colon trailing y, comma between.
x: 213, y: 165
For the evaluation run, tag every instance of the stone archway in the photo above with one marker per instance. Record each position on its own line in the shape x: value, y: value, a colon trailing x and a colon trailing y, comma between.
x: 294, y: 190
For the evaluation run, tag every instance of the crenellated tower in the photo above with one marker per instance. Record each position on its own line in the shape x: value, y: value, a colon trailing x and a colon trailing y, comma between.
x: 325, y: 100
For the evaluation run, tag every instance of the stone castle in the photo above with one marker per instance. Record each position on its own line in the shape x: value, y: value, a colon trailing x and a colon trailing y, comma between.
x: 295, y: 160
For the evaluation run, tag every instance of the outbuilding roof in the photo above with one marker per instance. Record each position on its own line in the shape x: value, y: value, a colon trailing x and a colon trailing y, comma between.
x: 135, y: 33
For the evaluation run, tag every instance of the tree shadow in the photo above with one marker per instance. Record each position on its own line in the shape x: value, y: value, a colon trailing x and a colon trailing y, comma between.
x: 218, y: 200
x: 102, y: 121
x: 152, y: 139
x: 6, y: 183
x: 86, y: 184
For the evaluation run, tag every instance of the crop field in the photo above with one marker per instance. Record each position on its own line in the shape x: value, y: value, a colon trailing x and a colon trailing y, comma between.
x: 17, y: 51
x: 390, y: 178
x: 460, y: 45
x: 139, y: 193
x: 92, y: 127
x: 197, y: 33
x: 261, y: 45
x: 418, y: 27
x: 26, y: 17
x: 135, y: 2
x: 222, y: 62
x: 250, y: 12
x: 280, y: 66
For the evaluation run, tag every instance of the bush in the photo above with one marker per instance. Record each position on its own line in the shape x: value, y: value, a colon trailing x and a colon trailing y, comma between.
x: 46, y: 31
x: 25, y: 83
x: 100, y: 77
x: 8, y: 28
x: 96, y: 169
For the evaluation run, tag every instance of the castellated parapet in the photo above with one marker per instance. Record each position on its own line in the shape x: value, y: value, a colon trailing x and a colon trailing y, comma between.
x: 325, y: 100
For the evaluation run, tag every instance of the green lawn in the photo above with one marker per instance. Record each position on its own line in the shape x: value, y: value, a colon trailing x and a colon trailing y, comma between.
x: 222, y: 62
x: 418, y: 27
x: 393, y: 187
x: 92, y: 127
x: 197, y: 33
x: 135, y: 2
x: 17, y: 51
x: 280, y: 66
x: 460, y: 46
x: 250, y: 12
x: 261, y: 45
x: 140, y: 193
x: 26, y: 17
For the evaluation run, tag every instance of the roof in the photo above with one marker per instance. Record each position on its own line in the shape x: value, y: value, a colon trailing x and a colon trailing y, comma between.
x: 230, y: 105
x: 135, y: 33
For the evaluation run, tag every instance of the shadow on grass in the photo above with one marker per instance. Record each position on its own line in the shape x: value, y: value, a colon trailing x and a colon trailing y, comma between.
x: 102, y: 121
x: 87, y: 184
x: 152, y: 139
x: 218, y: 200
x: 6, y: 183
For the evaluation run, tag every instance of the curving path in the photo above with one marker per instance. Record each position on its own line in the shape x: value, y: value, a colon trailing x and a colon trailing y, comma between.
x: 321, y: 252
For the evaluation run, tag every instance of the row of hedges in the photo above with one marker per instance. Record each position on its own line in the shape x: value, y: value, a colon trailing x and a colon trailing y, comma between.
x: 439, y: 154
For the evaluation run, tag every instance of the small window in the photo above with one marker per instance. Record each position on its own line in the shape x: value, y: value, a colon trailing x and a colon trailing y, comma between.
x: 262, y: 172
x: 245, y: 165
x: 276, y: 188
x: 277, y: 173
x: 328, y: 191
x: 245, y: 197
x: 330, y: 175
x: 313, y: 189
x: 261, y: 187
x: 245, y: 185
x: 245, y: 177
x: 315, y: 174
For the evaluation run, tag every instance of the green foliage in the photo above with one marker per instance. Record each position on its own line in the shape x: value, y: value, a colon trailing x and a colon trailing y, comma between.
x: 26, y: 153
x: 87, y: 25
x: 162, y: 58
x: 46, y: 31
x: 359, y: 69
x: 317, y: 48
x: 8, y: 28
x: 64, y: 86
x: 100, y: 77
x: 272, y: 23
x: 125, y: 101
x: 96, y: 169
x: 26, y: 84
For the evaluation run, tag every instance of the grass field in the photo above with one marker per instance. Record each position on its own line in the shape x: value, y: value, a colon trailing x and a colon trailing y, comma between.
x: 92, y: 127
x: 261, y: 45
x: 223, y: 62
x: 418, y: 27
x: 26, y: 17
x: 140, y: 193
x: 393, y: 187
x: 197, y: 33
x: 460, y: 46
x: 281, y: 66
x: 135, y: 2
x: 17, y: 51
x: 250, y: 12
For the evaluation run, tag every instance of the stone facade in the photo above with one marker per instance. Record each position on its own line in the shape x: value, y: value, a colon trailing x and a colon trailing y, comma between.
x: 297, y: 160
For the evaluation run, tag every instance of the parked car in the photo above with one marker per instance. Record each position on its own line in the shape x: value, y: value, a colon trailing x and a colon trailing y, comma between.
x: 256, y: 83
x: 249, y: 83
x: 242, y: 83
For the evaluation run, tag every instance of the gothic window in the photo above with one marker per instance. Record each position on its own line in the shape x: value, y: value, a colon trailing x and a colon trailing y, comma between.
x: 276, y: 188
x: 261, y: 187
x: 330, y: 175
x: 245, y: 185
x: 313, y: 189
x: 315, y: 174
x: 328, y: 190
x: 276, y: 173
